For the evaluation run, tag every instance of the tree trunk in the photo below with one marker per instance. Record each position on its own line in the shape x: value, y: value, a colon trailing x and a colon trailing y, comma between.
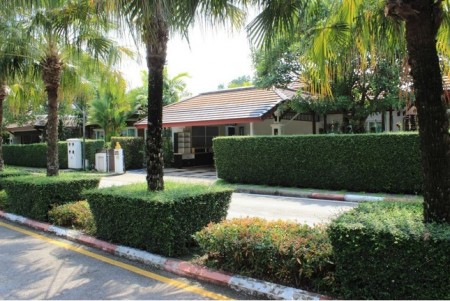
x: 383, y: 121
x: 421, y: 29
x: 3, y: 95
x: 391, y: 120
x: 52, y: 75
x: 314, y: 125
x: 157, y: 37
x: 325, y: 128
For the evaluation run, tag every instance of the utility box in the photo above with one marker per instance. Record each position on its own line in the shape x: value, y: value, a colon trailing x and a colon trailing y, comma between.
x: 119, y: 166
x: 101, y: 164
x: 75, y: 153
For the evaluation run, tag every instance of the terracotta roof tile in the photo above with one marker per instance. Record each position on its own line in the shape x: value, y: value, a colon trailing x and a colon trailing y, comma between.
x: 222, y: 106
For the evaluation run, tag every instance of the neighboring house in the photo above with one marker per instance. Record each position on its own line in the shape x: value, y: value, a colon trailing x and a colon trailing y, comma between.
x: 33, y: 131
x: 94, y: 131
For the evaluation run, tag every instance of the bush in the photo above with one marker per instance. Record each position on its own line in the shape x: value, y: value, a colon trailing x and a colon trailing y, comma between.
x: 11, y: 172
x: 385, y: 251
x: 161, y: 222
x: 3, y: 200
x: 35, y: 155
x: 277, y: 251
x: 133, y: 151
x: 33, y: 196
x: 370, y: 162
x: 75, y: 215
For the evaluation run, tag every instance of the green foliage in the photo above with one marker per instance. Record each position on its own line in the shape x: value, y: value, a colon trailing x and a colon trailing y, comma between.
x: 110, y: 108
x: 32, y: 196
x: 370, y: 162
x: 162, y: 222
x: 3, y: 200
x: 75, y: 215
x: 35, y: 155
x: 167, y: 148
x: 11, y: 172
x: 277, y: 251
x: 385, y: 251
x: 133, y: 150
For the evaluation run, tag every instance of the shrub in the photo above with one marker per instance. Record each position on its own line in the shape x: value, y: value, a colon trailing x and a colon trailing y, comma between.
x: 277, y: 251
x: 133, y: 151
x: 385, y: 251
x: 33, y: 196
x: 35, y: 155
x: 11, y: 172
x: 3, y: 200
x: 161, y: 222
x: 370, y: 162
x: 75, y: 215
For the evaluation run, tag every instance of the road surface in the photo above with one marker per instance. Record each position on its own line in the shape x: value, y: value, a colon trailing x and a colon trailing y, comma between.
x: 36, y: 266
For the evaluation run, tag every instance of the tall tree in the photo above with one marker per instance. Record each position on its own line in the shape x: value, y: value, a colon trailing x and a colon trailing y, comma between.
x: 423, y: 19
x: 363, y: 24
x: 62, y: 31
x: 155, y: 20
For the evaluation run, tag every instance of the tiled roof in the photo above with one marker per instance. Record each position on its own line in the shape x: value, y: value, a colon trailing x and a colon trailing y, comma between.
x: 222, y: 107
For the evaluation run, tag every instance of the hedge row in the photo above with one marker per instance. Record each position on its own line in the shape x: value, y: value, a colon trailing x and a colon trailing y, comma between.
x: 9, y: 172
x: 35, y: 155
x: 34, y: 195
x: 276, y: 251
x: 371, y: 162
x: 161, y: 222
x: 133, y: 151
x: 385, y: 251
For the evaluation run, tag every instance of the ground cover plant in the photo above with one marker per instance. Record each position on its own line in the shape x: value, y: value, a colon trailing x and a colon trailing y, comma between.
x: 278, y: 251
x: 33, y: 196
x: 385, y: 251
x: 162, y: 222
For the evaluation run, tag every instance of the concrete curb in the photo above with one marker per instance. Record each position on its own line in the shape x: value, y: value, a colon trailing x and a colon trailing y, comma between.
x: 313, y: 195
x: 247, y: 285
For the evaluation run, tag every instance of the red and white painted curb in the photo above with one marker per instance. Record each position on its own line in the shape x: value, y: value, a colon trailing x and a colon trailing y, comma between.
x: 315, y: 195
x: 243, y: 284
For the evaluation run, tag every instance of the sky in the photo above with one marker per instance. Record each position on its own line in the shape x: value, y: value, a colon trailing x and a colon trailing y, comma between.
x: 213, y: 57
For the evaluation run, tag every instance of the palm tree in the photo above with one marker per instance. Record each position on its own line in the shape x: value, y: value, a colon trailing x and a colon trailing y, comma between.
x: 62, y: 31
x: 12, y: 56
x: 362, y: 23
x: 110, y: 108
x: 155, y: 20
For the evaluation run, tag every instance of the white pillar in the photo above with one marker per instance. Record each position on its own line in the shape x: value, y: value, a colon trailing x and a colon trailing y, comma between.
x: 252, y: 130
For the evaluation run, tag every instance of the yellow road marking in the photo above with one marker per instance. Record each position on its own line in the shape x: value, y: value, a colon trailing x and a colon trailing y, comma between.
x: 176, y: 283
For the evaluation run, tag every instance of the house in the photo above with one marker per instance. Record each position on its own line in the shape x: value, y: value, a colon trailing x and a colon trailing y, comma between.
x: 33, y: 131
x: 242, y: 111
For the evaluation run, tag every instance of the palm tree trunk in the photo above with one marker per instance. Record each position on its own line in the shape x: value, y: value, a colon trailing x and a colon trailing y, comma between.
x: 157, y: 37
x: 51, y: 76
x: 3, y: 95
x: 421, y: 29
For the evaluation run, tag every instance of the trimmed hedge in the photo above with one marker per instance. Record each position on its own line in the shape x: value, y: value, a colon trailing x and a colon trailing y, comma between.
x: 282, y: 252
x: 133, y: 151
x: 161, y: 222
x: 370, y: 162
x: 35, y: 155
x: 385, y: 251
x: 33, y: 196
x: 11, y: 172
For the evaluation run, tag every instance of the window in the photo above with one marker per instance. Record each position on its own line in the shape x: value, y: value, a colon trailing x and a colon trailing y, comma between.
x: 99, y: 134
x: 129, y: 132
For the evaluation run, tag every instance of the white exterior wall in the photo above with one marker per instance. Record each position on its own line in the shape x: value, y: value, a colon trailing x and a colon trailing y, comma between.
x: 397, y: 117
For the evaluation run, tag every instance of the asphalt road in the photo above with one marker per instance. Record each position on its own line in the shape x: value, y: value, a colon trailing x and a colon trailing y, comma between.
x: 309, y: 211
x: 36, y: 266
